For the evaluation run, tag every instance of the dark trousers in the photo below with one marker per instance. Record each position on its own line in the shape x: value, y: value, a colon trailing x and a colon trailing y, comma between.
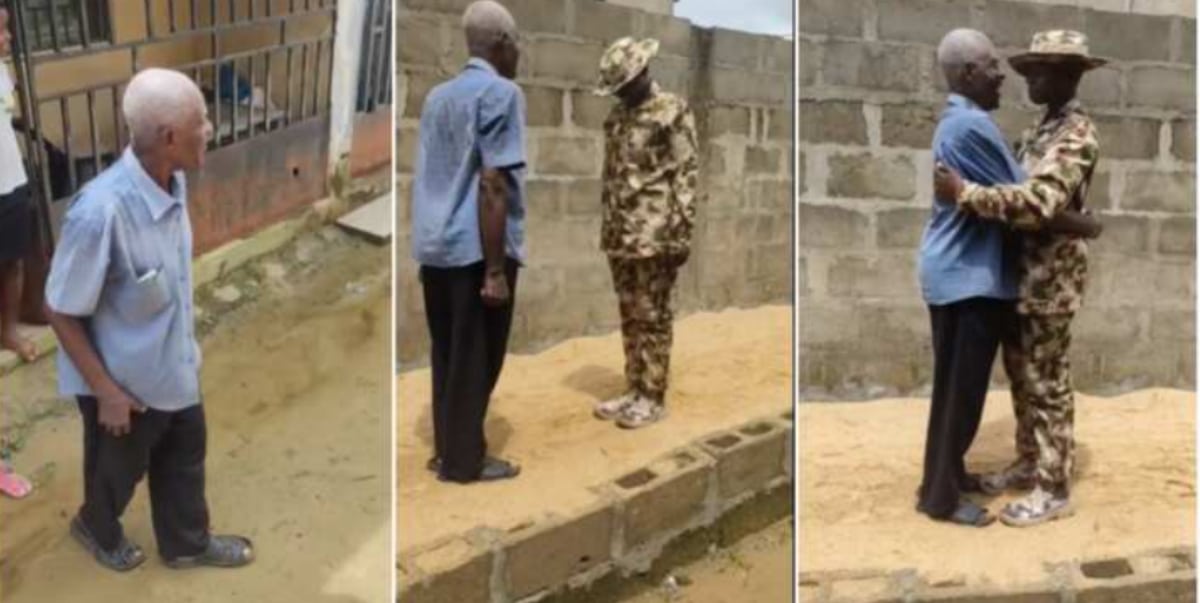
x: 469, y: 341
x: 966, y: 337
x: 170, y: 447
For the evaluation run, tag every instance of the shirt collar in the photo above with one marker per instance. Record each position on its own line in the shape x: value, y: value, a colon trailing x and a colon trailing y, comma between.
x: 158, y: 201
x: 478, y: 63
x: 958, y: 100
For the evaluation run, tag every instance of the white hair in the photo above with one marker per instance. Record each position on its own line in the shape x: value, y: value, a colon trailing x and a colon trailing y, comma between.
x: 960, y: 48
x: 487, y: 22
x: 155, y: 98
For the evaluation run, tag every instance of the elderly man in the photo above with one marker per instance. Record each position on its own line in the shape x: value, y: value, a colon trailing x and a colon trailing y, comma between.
x: 1059, y: 152
x: 119, y: 297
x: 650, y: 176
x: 468, y: 237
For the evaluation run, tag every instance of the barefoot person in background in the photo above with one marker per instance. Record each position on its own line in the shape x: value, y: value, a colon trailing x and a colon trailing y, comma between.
x: 16, y: 212
x: 1059, y: 154
x: 119, y: 296
x: 649, y: 206
x: 468, y: 217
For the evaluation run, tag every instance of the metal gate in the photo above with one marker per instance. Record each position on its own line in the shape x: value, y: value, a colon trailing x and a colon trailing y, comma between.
x: 262, y: 64
x: 375, y: 65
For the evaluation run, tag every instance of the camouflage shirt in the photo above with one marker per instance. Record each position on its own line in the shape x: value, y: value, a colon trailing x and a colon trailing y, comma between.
x: 1058, y: 154
x: 650, y: 176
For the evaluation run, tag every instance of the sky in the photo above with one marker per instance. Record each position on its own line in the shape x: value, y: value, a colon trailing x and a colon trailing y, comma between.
x: 757, y: 16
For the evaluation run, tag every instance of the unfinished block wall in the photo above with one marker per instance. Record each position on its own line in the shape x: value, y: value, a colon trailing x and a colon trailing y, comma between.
x: 870, y: 94
x: 738, y: 84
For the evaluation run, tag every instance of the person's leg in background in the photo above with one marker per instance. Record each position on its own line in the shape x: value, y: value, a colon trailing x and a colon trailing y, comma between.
x: 15, y: 237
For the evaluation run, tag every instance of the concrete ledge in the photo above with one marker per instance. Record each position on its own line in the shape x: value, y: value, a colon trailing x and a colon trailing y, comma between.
x: 1157, y: 576
x: 638, y: 528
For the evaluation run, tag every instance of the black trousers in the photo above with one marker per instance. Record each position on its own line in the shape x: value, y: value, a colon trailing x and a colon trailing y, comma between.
x: 469, y: 341
x: 966, y: 337
x: 170, y: 447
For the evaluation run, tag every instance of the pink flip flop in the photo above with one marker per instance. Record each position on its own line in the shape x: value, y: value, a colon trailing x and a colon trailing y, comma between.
x: 13, y: 485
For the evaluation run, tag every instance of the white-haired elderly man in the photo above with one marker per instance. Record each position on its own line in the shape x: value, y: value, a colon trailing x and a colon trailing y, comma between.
x: 119, y: 297
x: 468, y: 237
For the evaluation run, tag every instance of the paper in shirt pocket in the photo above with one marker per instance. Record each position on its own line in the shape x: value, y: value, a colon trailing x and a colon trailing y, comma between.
x: 148, y: 296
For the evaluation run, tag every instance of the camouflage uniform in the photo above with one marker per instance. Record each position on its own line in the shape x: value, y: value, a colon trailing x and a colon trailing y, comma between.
x: 649, y: 184
x: 1059, y: 155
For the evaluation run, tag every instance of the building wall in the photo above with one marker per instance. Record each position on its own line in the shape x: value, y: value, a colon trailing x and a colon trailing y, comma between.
x: 737, y: 83
x: 869, y: 97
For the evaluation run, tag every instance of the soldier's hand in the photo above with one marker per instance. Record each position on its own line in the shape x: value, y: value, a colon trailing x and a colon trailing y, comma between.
x: 495, y: 288
x: 947, y: 184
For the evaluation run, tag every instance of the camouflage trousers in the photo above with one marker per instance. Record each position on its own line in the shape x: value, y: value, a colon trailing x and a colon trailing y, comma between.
x: 643, y: 288
x: 1039, y: 370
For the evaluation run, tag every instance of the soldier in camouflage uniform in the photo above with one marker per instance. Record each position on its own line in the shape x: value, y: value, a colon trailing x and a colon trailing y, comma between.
x: 1059, y: 154
x: 649, y: 191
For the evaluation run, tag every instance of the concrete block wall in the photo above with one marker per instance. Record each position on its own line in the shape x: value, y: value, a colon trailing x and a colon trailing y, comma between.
x: 870, y: 94
x: 739, y: 87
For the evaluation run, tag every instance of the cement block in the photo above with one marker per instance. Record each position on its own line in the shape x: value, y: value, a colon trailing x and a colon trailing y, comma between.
x: 543, y: 106
x: 748, y: 87
x: 889, y: 325
x: 747, y: 458
x: 759, y: 160
x: 420, y: 40
x: 1172, y: 325
x: 831, y: 17
x: 454, y: 571
x: 872, y: 66
x: 831, y: 227
x: 1127, y: 137
x: 602, y: 22
x: 909, y: 125
x: 1099, y: 195
x: 778, y: 55
x: 1187, y: 42
x: 568, y: 156
x: 1045, y: 594
x: 543, y: 556
x: 540, y: 16
x: 1163, y: 87
x: 837, y: 122
x: 810, y: 63
x: 735, y: 49
x: 675, y: 36
x: 925, y: 21
x: 588, y: 110
x: 901, y: 228
x: 1123, y: 234
x: 882, y: 276
x: 1011, y: 24
x: 1160, y: 191
x: 1174, y: 589
x: 664, y: 497
x: 419, y: 85
x: 407, y: 138
x: 1101, y: 87
x: 1183, y: 140
x: 1100, y: 326
x: 862, y: 590
x: 1177, y: 236
x: 565, y: 60
x: 727, y: 119
x: 864, y: 176
x: 780, y: 124
x: 1130, y: 37
x: 583, y: 198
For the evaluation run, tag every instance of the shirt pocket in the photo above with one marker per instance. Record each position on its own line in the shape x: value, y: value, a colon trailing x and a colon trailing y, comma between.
x: 146, y: 297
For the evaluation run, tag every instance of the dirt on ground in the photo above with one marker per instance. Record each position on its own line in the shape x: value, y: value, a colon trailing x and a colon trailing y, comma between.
x: 758, y: 569
x: 727, y: 368
x: 1134, y: 489
x: 297, y: 380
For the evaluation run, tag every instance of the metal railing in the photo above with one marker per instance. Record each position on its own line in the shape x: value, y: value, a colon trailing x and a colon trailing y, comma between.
x: 375, y: 66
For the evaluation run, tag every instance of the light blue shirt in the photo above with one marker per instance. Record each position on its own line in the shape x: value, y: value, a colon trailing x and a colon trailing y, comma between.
x: 472, y: 122
x: 963, y: 256
x: 124, y: 264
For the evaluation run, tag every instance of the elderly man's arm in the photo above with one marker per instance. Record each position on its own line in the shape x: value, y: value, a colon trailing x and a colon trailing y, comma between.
x: 77, y: 276
x: 501, y: 140
x: 493, y: 220
x: 1033, y: 204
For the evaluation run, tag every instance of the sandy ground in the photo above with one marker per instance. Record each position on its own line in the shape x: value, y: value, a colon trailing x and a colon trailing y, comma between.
x: 861, y: 462
x: 298, y: 402
x: 758, y: 568
x: 727, y: 368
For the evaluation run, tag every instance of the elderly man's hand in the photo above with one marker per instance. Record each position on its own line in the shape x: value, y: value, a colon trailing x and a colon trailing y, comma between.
x: 115, y: 408
x: 947, y: 184
x: 495, y: 288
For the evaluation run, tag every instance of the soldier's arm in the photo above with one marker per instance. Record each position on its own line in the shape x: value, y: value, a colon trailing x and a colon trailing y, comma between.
x: 685, y: 156
x: 1032, y: 204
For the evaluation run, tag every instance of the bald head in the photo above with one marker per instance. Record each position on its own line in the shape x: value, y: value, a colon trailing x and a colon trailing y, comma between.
x: 972, y: 68
x: 157, y: 99
x: 166, y: 114
x: 492, y: 35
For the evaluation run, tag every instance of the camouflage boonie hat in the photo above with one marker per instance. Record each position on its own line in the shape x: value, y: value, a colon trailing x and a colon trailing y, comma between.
x: 622, y: 62
x: 1056, y: 46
